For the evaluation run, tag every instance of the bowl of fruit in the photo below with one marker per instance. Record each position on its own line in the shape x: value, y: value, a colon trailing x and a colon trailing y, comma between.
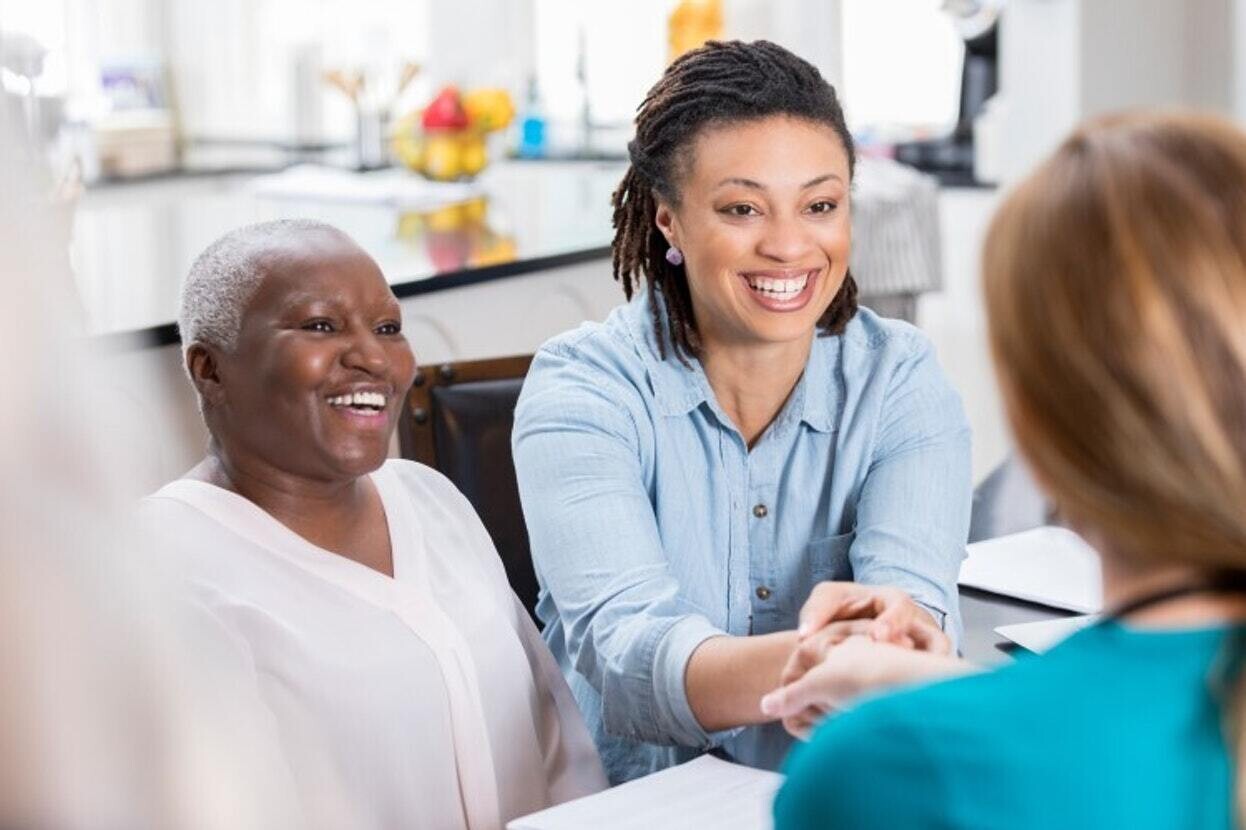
x: 445, y: 141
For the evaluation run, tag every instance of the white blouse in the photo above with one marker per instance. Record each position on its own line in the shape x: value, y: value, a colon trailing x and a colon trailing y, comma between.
x: 423, y: 700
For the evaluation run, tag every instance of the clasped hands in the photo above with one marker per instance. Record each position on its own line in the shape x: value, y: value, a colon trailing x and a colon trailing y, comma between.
x: 852, y: 639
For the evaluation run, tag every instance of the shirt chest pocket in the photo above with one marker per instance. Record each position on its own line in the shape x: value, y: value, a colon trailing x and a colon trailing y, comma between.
x: 827, y: 559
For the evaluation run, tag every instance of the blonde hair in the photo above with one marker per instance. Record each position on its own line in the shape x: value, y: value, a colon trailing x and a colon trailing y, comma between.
x: 1115, y: 281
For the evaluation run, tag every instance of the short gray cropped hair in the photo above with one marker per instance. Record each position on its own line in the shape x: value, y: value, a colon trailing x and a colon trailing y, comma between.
x: 226, y: 276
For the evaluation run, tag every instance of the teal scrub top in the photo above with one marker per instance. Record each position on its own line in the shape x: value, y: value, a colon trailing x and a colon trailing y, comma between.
x: 1115, y: 727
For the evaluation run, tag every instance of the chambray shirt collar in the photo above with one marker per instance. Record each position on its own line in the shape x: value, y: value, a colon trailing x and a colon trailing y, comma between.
x: 822, y: 395
x: 679, y: 389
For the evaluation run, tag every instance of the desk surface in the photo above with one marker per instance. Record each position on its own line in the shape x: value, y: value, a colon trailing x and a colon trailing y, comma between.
x: 982, y: 612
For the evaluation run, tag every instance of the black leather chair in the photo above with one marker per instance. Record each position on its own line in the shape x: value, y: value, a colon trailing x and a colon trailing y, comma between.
x: 458, y: 420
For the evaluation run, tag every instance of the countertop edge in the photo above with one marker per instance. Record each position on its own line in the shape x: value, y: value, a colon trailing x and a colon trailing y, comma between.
x: 167, y: 334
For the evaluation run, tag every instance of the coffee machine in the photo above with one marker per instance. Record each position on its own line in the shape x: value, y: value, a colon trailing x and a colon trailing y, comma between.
x: 950, y: 157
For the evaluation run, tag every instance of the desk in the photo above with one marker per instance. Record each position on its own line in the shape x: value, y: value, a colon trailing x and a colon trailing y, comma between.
x: 982, y: 612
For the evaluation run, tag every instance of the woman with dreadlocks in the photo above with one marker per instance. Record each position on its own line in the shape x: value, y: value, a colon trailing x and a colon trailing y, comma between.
x: 738, y: 433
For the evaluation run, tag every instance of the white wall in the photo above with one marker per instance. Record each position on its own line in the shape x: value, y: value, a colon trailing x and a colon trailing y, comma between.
x: 1210, y: 45
x: 1237, y: 35
x: 628, y: 45
x: 1063, y: 61
x: 1040, y: 65
x: 252, y: 68
x: 1142, y: 53
x: 481, y: 43
x: 810, y: 28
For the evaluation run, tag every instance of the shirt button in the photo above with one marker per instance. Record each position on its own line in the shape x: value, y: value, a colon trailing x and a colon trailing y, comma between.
x: 763, y: 592
x: 760, y: 511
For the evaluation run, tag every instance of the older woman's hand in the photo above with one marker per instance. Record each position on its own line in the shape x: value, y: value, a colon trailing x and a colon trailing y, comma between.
x: 836, y: 665
x: 894, y: 617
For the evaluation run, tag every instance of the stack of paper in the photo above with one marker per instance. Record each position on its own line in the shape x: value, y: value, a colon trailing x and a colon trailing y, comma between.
x: 1045, y: 634
x: 706, y: 792
x: 1048, y: 565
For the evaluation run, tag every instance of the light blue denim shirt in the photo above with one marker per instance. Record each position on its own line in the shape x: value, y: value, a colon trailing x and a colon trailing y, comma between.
x: 654, y: 527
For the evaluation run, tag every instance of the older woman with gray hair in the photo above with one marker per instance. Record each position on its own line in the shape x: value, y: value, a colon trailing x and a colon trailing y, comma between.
x: 407, y: 685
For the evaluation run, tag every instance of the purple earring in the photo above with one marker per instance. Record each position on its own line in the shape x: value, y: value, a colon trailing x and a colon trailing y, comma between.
x: 674, y: 256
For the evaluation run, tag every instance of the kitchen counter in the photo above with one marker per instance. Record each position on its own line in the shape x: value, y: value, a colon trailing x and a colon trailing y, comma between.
x: 134, y: 243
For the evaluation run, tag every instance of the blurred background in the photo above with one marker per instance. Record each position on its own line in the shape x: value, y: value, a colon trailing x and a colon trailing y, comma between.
x: 136, y: 86
x: 471, y: 147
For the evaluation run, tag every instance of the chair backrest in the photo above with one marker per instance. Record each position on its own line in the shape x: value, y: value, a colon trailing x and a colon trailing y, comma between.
x: 1008, y: 501
x: 458, y: 420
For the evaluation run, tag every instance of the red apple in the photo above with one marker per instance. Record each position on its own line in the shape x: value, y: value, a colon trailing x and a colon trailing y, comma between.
x: 445, y: 112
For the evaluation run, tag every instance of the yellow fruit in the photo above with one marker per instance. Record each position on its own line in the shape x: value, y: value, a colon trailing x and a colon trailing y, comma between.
x: 410, y: 225
x: 473, y: 211
x: 489, y: 109
x: 444, y: 219
x: 493, y: 250
x: 472, y: 156
x: 442, y: 157
x: 407, y: 141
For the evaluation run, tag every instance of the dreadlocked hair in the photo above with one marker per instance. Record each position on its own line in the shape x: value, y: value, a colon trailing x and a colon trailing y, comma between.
x: 719, y: 83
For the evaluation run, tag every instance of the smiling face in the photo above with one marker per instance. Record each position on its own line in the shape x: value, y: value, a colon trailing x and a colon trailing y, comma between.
x: 316, y: 380
x: 764, y: 227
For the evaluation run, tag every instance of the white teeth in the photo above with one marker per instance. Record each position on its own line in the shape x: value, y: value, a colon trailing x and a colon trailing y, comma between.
x: 369, y: 399
x: 782, y: 288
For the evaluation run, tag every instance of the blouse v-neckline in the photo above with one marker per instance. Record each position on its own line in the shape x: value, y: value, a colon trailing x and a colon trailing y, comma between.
x: 473, y: 756
x: 406, y: 538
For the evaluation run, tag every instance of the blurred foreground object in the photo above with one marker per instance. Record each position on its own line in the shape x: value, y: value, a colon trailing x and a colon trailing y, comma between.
x: 23, y: 56
x: 114, y: 712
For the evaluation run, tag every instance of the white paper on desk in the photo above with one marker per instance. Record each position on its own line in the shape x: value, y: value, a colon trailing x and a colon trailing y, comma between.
x: 1048, y: 565
x: 705, y: 792
x: 1043, y: 635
